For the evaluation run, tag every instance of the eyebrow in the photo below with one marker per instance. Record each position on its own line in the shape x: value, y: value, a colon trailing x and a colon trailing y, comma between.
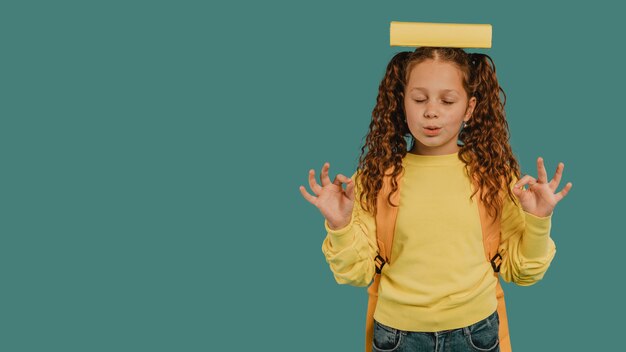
x: 443, y: 90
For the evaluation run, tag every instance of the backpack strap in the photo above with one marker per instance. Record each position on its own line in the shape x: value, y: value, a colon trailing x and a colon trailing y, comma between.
x: 385, y: 212
x: 385, y: 226
x: 491, y: 242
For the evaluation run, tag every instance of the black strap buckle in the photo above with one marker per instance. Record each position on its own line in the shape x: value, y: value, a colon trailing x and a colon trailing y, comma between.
x: 496, y: 268
x: 379, y: 261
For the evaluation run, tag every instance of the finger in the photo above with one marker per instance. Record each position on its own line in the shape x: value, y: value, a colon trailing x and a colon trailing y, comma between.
x: 518, y: 191
x: 307, y: 196
x: 526, y: 180
x: 554, y: 183
x: 350, y: 189
x: 341, y: 179
x: 314, y: 186
x: 542, y: 175
x: 518, y: 188
x: 324, y: 174
x: 563, y: 192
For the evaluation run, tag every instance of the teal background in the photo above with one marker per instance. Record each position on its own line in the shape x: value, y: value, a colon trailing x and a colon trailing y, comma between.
x: 152, y: 153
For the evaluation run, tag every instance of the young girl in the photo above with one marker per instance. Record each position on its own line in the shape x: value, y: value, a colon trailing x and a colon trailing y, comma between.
x: 438, y: 293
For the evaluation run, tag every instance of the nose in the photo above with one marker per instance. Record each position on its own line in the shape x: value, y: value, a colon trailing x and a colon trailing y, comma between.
x: 430, y: 111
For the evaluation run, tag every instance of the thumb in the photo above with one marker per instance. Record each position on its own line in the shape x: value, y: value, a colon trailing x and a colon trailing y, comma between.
x: 339, y: 180
x: 350, y: 189
x: 518, y: 191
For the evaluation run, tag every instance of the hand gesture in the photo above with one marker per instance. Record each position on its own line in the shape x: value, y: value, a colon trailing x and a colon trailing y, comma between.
x: 334, y: 203
x: 539, y: 199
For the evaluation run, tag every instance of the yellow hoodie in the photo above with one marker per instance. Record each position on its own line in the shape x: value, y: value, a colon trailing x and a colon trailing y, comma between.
x: 438, y: 277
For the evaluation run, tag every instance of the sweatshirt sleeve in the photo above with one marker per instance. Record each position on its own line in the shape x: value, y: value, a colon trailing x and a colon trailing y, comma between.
x: 350, y: 251
x: 525, y: 244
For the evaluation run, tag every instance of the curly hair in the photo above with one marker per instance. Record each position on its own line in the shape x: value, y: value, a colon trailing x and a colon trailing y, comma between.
x: 486, y: 152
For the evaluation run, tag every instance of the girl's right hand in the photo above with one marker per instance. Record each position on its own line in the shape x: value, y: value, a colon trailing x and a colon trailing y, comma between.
x: 332, y: 200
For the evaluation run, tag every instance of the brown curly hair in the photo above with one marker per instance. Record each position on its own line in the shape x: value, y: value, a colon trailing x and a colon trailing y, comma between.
x: 487, y: 154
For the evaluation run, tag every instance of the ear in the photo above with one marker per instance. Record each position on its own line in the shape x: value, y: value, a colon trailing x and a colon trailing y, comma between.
x: 470, y: 109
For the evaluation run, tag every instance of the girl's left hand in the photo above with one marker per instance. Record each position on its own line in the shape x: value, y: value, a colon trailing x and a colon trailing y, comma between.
x: 539, y: 199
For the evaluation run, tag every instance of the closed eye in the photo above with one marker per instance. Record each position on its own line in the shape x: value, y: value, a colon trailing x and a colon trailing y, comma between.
x: 445, y: 102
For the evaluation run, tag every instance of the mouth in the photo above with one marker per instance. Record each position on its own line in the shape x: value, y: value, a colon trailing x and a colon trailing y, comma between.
x: 432, y: 130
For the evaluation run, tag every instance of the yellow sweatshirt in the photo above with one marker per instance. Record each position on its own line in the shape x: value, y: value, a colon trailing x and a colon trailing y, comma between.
x: 438, y: 277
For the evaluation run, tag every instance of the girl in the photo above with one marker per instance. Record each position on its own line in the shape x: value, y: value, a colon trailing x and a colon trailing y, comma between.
x: 439, y: 293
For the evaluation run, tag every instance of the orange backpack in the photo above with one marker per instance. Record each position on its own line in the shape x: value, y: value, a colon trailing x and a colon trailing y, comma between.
x: 385, y: 225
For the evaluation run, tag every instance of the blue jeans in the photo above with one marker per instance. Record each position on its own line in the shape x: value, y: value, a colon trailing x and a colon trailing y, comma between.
x: 480, y: 336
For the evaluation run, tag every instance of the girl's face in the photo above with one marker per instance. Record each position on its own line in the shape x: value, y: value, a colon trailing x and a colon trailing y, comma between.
x: 436, y: 105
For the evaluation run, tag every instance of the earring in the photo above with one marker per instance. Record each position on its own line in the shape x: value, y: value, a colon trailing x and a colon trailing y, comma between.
x: 459, y: 141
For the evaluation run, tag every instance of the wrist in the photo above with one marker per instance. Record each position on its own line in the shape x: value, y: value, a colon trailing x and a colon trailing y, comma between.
x: 336, y: 227
x: 540, y: 214
x: 338, y: 230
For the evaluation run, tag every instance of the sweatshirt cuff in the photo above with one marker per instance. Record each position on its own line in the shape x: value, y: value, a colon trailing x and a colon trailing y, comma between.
x: 535, y: 243
x: 340, y: 238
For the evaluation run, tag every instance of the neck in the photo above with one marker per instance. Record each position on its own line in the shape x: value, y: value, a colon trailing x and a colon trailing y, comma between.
x: 420, y: 151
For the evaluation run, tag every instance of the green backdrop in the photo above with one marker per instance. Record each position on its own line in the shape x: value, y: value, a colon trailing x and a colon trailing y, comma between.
x: 152, y: 153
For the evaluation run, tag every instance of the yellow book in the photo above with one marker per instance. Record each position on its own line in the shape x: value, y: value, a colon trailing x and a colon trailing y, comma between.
x: 458, y: 35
